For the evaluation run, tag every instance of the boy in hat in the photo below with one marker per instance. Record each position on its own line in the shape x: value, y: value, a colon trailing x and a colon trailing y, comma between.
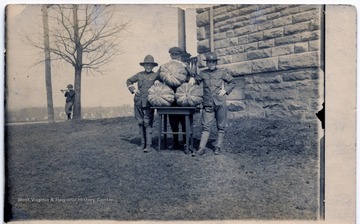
x: 143, y: 114
x: 70, y: 99
x: 217, y: 83
x: 174, y: 120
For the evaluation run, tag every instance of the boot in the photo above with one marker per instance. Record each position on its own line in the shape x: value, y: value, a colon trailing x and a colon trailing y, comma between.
x: 142, y: 138
x: 148, y: 139
x: 219, y: 143
x: 204, y: 139
x: 69, y: 116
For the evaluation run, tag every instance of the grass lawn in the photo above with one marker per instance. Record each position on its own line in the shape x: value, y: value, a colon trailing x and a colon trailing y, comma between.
x: 90, y: 169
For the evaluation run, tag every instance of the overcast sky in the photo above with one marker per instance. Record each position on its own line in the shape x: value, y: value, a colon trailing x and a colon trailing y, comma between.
x: 152, y: 30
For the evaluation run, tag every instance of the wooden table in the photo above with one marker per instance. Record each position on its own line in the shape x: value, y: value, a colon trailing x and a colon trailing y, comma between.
x: 188, y: 112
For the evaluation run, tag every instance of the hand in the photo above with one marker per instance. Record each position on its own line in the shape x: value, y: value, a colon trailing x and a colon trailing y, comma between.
x: 137, y: 92
x: 192, y: 81
x: 157, y: 82
x: 222, y: 92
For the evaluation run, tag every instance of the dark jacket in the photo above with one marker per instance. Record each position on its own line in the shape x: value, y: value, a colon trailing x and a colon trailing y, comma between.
x: 144, y: 82
x: 213, y: 82
x: 70, y: 96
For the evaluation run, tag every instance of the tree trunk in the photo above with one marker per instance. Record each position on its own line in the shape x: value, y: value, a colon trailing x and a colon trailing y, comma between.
x: 78, y: 65
x: 77, y: 88
x: 48, y: 84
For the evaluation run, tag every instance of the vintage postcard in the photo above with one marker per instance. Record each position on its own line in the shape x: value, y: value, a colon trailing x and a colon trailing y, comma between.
x: 208, y: 113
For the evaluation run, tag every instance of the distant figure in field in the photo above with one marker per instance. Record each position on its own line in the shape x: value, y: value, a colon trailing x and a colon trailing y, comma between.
x: 70, y: 99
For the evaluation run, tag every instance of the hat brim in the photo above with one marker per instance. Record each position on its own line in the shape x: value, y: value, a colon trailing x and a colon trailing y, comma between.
x: 153, y: 63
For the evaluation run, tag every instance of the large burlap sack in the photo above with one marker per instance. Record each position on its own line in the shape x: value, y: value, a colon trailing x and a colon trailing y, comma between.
x: 189, y: 95
x: 173, y: 73
x: 161, y: 95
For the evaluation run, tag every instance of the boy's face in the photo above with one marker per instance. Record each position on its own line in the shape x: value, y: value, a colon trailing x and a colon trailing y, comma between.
x: 211, y: 64
x: 175, y: 56
x: 148, y: 67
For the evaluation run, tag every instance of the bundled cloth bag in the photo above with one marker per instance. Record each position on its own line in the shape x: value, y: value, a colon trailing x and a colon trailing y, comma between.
x: 161, y: 95
x: 173, y: 73
x: 189, y: 95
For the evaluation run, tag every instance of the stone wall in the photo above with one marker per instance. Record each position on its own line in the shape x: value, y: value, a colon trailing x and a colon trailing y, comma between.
x: 273, y: 51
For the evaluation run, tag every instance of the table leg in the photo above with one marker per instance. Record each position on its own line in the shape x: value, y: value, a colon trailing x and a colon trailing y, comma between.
x: 165, y: 129
x: 159, y: 133
x: 191, y: 132
x: 187, y: 124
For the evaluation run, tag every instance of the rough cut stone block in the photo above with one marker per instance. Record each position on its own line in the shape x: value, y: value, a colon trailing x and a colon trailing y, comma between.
x: 303, y: 8
x: 289, y: 11
x: 225, y: 28
x: 202, y: 19
x: 310, y: 35
x: 283, y: 50
x: 298, y: 107
x: 219, y: 36
x: 235, y: 106
x: 226, y: 59
x: 241, y: 17
x: 249, y: 9
x: 303, y: 60
x: 263, y: 53
x: 239, y: 57
x: 243, y: 39
x: 296, y: 76
x: 254, y: 106
x: 230, y: 33
x: 201, y: 10
x: 246, y: 30
x: 222, y: 43
x: 314, y: 45
x: 305, y: 16
x: 235, y: 49
x: 268, y: 24
x: 296, y: 28
x: 203, y: 46
x: 240, y: 24
x: 251, y: 47
x: 220, y: 52
x: 266, y: 43
x: 220, y: 10
x: 201, y: 33
x: 255, y: 36
x: 265, y: 65
x: 301, y: 47
x: 240, y: 68
x: 260, y: 19
x: 273, y: 15
x: 282, y: 21
x: 287, y: 40
x: 273, y: 33
x: 283, y: 85
x: 280, y: 7
x: 222, y: 17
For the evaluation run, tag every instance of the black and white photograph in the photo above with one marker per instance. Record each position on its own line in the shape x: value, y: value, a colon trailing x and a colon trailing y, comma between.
x: 180, y: 112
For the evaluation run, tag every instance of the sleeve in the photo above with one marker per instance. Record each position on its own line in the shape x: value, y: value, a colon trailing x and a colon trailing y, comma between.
x: 229, y: 80
x: 198, y: 77
x: 130, y: 82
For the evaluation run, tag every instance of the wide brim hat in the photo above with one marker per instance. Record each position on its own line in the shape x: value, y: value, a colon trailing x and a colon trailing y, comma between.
x: 149, y: 60
x: 211, y: 56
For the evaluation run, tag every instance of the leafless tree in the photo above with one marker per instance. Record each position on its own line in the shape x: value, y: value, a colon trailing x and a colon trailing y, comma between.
x: 85, y: 36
